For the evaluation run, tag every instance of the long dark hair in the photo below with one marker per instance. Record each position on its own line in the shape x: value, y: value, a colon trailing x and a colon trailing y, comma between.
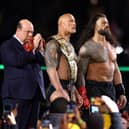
x: 89, y: 28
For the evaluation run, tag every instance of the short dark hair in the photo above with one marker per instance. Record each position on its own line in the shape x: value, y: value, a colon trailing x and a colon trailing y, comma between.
x: 19, y: 25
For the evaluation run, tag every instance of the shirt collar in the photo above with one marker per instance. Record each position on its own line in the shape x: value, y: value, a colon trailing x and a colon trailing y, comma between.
x: 18, y: 39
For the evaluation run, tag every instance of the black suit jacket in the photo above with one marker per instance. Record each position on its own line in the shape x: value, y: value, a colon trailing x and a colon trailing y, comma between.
x: 22, y: 73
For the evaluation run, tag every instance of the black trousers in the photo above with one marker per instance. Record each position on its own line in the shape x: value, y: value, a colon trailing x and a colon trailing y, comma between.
x: 28, y: 110
x: 95, y: 89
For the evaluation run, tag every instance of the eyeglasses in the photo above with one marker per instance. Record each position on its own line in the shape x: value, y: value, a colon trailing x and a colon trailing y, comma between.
x: 28, y: 31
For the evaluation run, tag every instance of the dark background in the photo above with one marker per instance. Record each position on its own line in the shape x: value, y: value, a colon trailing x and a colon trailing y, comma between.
x: 44, y: 15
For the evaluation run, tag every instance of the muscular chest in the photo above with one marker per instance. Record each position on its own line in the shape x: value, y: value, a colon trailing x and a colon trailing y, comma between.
x: 68, y: 59
x: 111, y: 53
x: 102, y: 53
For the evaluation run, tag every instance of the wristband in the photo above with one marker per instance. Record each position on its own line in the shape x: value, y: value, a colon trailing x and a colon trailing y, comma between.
x: 83, y: 92
x: 120, y: 90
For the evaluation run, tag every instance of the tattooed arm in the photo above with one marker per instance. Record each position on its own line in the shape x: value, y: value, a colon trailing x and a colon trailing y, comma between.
x: 83, y: 61
x: 52, y: 60
x: 117, y: 75
x: 82, y: 69
x: 120, y: 89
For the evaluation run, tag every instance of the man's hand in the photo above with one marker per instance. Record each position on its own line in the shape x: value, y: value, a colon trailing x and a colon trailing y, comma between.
x: 78, y: 98
x: 37, y: 40
x: 121, y: 102
x: 12, y: 118
x: 83, y: 92
x: 59, y: 93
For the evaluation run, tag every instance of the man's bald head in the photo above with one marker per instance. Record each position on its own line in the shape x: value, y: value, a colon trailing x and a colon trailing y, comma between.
x: 64, y: 17
x: 66, y: 24
x: 24, y: 23
x: 24, y: 29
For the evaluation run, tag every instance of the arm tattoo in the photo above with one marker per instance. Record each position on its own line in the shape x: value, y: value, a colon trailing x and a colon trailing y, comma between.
x: 83, y: 62
x: 95, y: 51
x: 51, y: 54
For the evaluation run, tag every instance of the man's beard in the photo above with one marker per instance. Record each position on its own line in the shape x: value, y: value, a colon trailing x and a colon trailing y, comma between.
x: 105, y: 33
x: 108, y: 35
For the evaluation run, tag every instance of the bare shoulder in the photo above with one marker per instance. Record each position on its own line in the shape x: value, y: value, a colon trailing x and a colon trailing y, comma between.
x: 87, y: 48
x: 111, y: 47
x: 51, y: 53
x: 52, y: 44
x: 95, y: 51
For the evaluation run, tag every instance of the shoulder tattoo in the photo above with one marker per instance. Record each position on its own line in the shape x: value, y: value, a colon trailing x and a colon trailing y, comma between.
x: 51, y: 54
